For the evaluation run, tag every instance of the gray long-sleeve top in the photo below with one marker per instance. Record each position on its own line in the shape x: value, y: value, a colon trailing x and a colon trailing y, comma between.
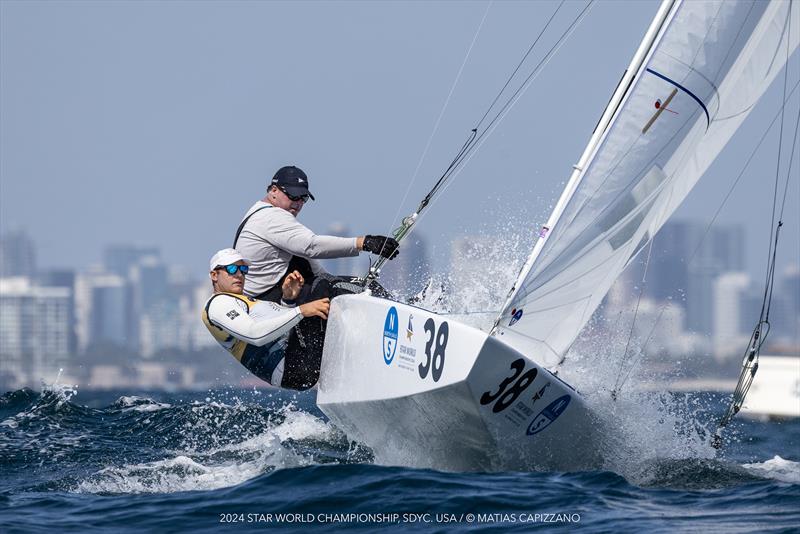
x: 272, y: 236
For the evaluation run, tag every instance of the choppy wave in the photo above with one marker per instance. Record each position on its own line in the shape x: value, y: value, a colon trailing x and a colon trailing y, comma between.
x: 186, y: 459
x: 777, y: 468
x: 277, y: 446
x: 138, y: 444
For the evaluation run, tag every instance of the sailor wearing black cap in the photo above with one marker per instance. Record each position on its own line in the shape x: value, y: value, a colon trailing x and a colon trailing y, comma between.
x: 278, y: 244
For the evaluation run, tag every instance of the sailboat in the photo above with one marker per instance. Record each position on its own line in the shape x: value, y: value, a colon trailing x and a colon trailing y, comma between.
x: 424, y: 390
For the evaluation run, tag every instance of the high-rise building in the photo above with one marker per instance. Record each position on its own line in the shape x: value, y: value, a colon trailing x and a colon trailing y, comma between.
x: 63, y: 278
x: 685, y: 260
x: 786, y: 317
x: 34, y: 331
x: 149, y: 279
x: 790, y: 287
x: 12, y: 342
x: 119, y: 259
x: 721, y: 250
x: 729, y: 308
x: 17, y: 255
x: 667, y: 271
x: 162, y: 327
x: 102, y: 311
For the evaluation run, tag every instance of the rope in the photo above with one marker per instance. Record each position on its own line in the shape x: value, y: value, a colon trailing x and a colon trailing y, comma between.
x: 441, y: 114
x: 498, y: 118
x: 475, y: 140
x: 762, y: 328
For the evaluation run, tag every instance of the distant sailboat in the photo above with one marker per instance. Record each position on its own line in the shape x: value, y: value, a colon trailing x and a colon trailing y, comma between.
x: 452, y: 397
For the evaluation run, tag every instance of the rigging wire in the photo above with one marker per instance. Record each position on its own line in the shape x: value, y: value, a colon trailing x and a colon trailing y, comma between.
x: 617, y: 383
x: 474, y: 139
x: 763, y: 327
x: 519, y: 65
x: 514, y: 98
x: 721, y: 206
x: 441, y: 114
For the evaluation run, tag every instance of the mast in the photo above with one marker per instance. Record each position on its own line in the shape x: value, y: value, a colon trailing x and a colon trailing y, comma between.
x: 711, y: 62
x: 633, y: 70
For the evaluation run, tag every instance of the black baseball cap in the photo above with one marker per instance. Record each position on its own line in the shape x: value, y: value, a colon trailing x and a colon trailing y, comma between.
x: 292, y: 181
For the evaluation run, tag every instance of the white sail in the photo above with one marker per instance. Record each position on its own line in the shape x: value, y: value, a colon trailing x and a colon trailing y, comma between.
x: 700, y: 70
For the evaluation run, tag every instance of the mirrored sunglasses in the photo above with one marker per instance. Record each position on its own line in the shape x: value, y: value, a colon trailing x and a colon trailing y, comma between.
x: 231, y: 269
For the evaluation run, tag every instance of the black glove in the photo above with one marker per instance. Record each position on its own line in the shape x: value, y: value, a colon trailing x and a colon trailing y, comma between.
x: 384, y: 246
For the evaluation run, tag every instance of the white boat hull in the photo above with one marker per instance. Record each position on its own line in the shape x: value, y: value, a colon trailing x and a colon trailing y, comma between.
x: 775, y: 392
x: 424, y: 391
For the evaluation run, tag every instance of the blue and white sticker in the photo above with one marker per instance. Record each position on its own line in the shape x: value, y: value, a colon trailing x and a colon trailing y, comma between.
x: 548, y: 415
x: 390, y: 327
x: 516, y: 315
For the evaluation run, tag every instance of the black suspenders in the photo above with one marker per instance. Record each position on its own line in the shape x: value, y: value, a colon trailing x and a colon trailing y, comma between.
x: 241, y: 226
x: 297, y: 263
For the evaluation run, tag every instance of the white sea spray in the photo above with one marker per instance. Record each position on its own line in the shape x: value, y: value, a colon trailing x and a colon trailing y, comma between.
x: 777, y: 468
x: 646, y: 423
x: 208, y: 460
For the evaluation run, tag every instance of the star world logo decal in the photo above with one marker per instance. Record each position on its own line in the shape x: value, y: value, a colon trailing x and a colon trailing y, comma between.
x: 233, y: 314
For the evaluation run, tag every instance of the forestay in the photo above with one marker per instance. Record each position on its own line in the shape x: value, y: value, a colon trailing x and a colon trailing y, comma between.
x: 700, y: 70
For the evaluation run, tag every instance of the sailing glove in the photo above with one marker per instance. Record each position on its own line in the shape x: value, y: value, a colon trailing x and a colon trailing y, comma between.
x: 383, y: 246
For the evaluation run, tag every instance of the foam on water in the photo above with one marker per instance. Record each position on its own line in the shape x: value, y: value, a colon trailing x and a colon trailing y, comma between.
x: 140, y: 404
x: 645, y: 425
x: 777, y: 469
x: 642, y: 424
x: 41, y: 422
x: 200, y: 466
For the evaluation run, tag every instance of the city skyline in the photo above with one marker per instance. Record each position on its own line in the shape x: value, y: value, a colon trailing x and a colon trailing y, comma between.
x: 133, y: 320
x: 106, y: 138
x: 129, y: 161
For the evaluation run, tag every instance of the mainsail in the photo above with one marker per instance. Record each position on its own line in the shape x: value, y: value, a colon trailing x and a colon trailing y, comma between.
x: 701, y: 68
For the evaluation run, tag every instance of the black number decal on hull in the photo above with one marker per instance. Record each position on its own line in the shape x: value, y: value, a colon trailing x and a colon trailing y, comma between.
x: 506, y: 398
x: 434, y: 363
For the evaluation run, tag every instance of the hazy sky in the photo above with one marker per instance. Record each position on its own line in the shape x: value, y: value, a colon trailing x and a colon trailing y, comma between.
x: 160, y: 123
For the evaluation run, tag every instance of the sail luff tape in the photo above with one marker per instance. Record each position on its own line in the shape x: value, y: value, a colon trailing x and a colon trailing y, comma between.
x: 659, y: 111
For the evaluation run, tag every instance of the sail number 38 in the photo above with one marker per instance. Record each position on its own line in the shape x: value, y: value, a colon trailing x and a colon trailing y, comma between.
x: 505, y: 395
x: 434, y: 362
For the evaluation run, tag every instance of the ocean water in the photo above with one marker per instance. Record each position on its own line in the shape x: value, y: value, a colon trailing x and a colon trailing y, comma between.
x: 75, y: 461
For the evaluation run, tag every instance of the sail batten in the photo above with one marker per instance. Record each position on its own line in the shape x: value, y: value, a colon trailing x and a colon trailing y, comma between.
x: 699, y: 71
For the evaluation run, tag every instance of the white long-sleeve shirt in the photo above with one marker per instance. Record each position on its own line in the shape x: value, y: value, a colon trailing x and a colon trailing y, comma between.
x: 272, y: 236
x: 262, y: 323
x: 255, y: 332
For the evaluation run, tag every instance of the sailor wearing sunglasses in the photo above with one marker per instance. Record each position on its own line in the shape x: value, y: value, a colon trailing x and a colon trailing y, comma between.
x: 271, y: 237
x: 256, y: 332
x: 277, y: 244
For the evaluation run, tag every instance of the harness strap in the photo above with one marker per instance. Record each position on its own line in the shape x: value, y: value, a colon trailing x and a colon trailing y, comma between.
x: 241, y: 226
